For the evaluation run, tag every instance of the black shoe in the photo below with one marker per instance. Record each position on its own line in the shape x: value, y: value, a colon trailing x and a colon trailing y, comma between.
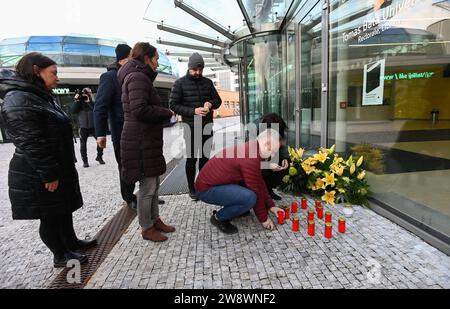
x: 274, y: 196
x: 132, y: 204
x: 161, y: 202
x: 61, y: 260
x: 85, y: 164
x: 224, y: 226
x: 100, y: 160
x: 85, y: 244
x: 193, y: 195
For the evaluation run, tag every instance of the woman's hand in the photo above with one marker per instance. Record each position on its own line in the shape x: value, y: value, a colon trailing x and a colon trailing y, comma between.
x: 276, y: 168
x: 52, y: 186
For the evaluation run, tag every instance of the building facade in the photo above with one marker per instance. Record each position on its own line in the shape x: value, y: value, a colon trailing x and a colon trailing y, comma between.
x: 81, y: 60
x: 368, y: 76
x: 230, y: 104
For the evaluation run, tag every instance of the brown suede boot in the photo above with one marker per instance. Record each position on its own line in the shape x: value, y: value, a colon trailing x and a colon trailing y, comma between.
x: 160, y: 226
x: 153, y: 234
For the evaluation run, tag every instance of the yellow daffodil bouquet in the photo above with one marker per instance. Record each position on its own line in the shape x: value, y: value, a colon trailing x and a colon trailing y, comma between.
x: 326, y: 176
x: 323, y: 169
x: 295, y: 182
x: 352, y: 184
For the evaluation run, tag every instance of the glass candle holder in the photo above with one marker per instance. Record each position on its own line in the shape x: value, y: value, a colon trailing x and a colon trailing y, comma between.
x: 294, y: 207
x: 320, y: 212
x: 287, y: 213
x: 280, y: 217
x: 328, y: 229
x: 311, y: 228
x: 310, y: 215
x: 304, y: 203
x: 328, y: 217
x: 341, y: 225
x: 295, y: 224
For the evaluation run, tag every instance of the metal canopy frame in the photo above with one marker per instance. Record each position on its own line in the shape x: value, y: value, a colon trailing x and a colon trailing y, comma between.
x: 181, y: 54
x: 191, y: 35
x: 190, y: 46
x: 246, y: 17
x: 204, y: 19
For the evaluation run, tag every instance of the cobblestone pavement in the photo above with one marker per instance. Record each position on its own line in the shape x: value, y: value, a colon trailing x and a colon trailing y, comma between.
x: 373, y: 253
x: 26, y: 262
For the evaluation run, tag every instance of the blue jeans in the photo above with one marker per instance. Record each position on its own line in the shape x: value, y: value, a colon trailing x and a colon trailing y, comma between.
x: 235, y: 200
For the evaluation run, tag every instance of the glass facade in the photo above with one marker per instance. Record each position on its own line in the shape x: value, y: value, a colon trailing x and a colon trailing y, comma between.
x: 388, y: 75
x: 372, y: 77
x: 70, y: 51
x: 263, y: 11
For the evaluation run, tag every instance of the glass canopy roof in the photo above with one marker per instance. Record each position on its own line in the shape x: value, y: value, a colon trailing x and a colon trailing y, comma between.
x: 184, y: 26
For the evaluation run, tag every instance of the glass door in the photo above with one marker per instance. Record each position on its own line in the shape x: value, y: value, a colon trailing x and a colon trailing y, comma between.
x: 308, y: 115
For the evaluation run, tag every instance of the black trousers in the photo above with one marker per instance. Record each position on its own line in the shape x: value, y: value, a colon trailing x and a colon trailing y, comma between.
x: 126, y: 190
x: 274, y: 179
x: 195, y: 153
x: 84, y: 134
x: 58, y: 234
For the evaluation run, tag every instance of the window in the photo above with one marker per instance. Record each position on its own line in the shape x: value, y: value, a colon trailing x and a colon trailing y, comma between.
x: 82, y: 49
x: 387, y: 78
x: 44, y: 47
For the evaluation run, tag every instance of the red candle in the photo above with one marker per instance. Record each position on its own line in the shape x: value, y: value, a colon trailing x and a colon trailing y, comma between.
x: 328, y: 217
x: 310, y: 215
x: 328, y: 228
x: 295, y: 224
x: 318, y: 204
x: 341, y: 226
x: 304, y: 203
x: 311, y: 228
x: 294, y: 207
x: 320, y: 212
x: 280, y: 217
x: 287, y: 213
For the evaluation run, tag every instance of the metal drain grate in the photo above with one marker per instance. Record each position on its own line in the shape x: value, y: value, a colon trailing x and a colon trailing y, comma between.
x: 176, y: 182
x: 107, y: 238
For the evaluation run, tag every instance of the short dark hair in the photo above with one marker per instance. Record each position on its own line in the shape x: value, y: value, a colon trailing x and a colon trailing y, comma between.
x: 273, y: 118
x: 142, y: 49
x: 25, y: 67
x: 122, y: 51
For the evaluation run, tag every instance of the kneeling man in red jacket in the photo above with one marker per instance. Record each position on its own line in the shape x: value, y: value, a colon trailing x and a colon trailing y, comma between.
x: 233, y: 179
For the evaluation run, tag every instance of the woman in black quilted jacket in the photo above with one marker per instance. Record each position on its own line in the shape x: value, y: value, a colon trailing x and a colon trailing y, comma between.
x: 42, y: 178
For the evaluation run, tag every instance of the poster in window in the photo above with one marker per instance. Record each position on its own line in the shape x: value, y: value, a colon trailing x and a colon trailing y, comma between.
x: 373, y: 83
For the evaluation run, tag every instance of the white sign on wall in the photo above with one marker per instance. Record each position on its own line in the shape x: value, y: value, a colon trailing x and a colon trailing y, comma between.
x: 373, y: 88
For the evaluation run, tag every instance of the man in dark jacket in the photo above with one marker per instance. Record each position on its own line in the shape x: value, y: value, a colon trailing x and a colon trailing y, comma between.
x: 109, y: 103
x: 194, y: 98
x: 83, y: 106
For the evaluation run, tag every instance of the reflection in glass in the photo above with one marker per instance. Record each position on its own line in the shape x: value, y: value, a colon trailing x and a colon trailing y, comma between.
x: 311, y: 69
x: 264, y: 76
x: 388, y: 117
x: 264, y: 11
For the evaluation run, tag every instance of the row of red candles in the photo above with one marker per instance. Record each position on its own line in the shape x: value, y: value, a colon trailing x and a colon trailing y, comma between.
x: 285, y: 215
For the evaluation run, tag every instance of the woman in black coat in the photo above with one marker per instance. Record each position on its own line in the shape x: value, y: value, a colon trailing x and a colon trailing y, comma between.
x: 42, y: 178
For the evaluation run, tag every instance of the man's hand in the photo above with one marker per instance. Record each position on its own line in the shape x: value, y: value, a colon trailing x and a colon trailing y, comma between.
x: 101, y: 141
x: 276, y: 168
x: 268, y: 224
x: 275, y: 210
x: 207, y: 105
x: 201, y: 111
x: 52, y: 186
